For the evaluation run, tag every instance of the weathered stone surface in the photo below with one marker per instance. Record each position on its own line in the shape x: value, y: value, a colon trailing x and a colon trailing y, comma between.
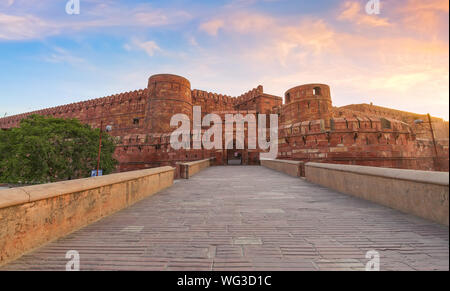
x: 421, y: 193
x: 318, y: 229
x: 189, y: 169
x: 32, y: 216
x: 11, y: 197
x: 293, y: 168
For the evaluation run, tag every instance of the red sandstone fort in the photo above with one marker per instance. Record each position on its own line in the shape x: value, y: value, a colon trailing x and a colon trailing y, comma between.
x: 310, y: 128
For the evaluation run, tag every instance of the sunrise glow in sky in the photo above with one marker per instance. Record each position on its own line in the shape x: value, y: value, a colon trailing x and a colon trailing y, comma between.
x: 398, y: 58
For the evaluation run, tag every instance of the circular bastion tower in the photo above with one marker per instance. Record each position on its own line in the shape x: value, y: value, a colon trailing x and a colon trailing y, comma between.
x: 168, y: 95
x: 313, y: 102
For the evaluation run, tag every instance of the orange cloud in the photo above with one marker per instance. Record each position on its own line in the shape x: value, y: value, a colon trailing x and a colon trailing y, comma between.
x: 391, y: 67
x: 426, y: 17
x: 212, y: 27
x: 353, y: 11
x: 436, y: 5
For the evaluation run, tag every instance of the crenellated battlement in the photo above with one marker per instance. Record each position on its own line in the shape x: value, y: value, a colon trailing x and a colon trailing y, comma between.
x: 255, y: 92
x: 71, y: 108
x: 204, y: 96
x: 198, y: 97
x: 310, y: 128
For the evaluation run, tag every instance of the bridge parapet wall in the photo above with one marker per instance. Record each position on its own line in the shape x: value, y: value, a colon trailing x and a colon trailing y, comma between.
x: 420, y: 193
x: 292, y: 168
x: 34, y: 215
x: 187, y: 170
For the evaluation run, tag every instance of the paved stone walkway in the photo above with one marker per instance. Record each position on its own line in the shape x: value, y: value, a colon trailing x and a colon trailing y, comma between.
x: 249, y: 218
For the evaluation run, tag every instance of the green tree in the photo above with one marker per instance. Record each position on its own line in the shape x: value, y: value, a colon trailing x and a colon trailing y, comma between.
x: 47, y: 149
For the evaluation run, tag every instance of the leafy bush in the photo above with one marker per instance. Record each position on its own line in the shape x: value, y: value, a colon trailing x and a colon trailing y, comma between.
x: 48, y: 149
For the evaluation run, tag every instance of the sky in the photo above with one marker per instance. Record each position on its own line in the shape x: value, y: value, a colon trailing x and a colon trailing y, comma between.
x: 398, y: 58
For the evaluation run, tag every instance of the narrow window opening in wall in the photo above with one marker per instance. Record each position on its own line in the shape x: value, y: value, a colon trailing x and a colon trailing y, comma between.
x: 359, y: 123
x: 317, y: 91
x: 158, y: 147
x: 288, y: 98
x: 136, y: 121
x: 342, y: 139
x: 367, y: 141
x: 309, y: 104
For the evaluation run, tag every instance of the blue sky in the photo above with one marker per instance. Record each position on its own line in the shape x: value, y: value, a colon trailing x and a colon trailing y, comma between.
x: 396, y: 59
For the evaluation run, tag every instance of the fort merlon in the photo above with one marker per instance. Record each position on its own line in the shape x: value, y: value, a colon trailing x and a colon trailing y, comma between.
x: 310, y: 128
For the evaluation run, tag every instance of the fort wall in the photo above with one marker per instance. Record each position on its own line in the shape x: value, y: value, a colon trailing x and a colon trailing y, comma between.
x: 310, y: 128
x: 440, y: 127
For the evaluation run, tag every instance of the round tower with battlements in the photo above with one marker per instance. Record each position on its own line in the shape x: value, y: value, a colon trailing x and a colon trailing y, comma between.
x: 168, y: 95
x: 314, y: 101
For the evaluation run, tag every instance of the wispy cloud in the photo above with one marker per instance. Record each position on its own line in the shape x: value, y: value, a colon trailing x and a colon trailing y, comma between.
x: 150, y: 46
x: 354, y: 12
x: 375, y: 56
x: 237, y: 22
x: 60, y: 55
x: 394, y: 59
x: 15, y: 25
x: 212, y: 26
x: 426, y: 17
x: 24, y: 27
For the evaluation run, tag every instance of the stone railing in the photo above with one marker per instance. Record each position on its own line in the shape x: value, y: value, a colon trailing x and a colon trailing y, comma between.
x: 421, y: 193
x: 34, y: 215
x: 292, y: 168
x: 189, y: 169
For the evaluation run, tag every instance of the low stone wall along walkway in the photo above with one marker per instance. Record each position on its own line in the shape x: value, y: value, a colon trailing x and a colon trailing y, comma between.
x: 249, y: 218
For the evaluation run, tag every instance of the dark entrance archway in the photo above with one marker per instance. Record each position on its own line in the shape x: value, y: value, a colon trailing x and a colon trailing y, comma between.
x: 234, y: 156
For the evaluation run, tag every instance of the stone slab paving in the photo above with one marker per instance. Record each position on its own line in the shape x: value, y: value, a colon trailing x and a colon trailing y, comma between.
x: 249, y: 218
